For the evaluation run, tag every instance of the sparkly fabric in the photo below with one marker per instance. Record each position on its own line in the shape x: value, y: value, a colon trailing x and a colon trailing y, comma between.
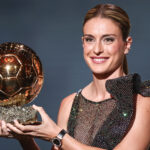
x: 104, y: 124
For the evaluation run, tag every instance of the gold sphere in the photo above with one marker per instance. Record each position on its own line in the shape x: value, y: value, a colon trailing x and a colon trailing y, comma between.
x: 21, y: 74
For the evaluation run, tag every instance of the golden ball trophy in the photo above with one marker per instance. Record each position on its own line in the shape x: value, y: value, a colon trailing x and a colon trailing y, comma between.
x: 21, y: 79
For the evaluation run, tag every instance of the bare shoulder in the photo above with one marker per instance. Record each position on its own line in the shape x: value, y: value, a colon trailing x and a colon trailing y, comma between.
x: 64, y: 111
x: 138, y: 137
x: 142, y: 99
x: 67, y: 101
x: 142, y: 111
x: 143, y: 104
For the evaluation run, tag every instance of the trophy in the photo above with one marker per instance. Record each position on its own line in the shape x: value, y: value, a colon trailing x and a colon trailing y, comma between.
x: 21, y: 79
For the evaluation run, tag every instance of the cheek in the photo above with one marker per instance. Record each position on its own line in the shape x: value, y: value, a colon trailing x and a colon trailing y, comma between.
x: 86, y: 49
x: 86, y: 53
x: 115, y: 50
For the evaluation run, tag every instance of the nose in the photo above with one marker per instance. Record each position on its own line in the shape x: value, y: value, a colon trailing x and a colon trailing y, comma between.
x: 98, y: 48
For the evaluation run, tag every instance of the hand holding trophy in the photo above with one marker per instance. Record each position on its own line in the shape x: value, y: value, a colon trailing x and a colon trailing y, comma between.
x: 21, y: 79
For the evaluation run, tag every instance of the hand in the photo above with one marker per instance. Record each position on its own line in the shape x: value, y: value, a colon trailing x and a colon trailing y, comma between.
x: 46, y: 130
x: 4, y: 131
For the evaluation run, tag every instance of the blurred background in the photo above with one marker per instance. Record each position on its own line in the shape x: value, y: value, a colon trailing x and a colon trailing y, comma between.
x: 53, y: 29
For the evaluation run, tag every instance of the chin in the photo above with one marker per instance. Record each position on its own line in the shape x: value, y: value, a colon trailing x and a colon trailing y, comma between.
x: 101, y: 75
x: 100, y: 70
x: 106, y: 72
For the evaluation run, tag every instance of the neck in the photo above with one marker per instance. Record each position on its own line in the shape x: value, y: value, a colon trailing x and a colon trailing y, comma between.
x: 110, y: 75
x: 96, y: 90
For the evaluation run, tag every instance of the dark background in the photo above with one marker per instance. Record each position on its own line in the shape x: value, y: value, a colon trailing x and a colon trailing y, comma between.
x: 53, y: 29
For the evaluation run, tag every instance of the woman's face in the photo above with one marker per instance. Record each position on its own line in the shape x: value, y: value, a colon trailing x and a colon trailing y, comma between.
x: 103, y: 45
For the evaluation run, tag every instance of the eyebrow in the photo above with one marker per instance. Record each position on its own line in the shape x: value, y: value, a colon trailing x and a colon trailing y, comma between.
x: 105, y: 35
x: 89, y: 35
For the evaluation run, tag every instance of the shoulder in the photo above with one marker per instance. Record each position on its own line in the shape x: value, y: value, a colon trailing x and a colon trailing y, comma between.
x: 64, y: 110
x: 142, y: 113
x: 143, y: 102
x: 141, y: 124
x: 138, y: 136
x: 68, y: 100
x: 143, y: 106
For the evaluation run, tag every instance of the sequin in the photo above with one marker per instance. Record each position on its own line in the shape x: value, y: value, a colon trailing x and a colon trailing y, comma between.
x: 104, y: 124
x: 125, y: 114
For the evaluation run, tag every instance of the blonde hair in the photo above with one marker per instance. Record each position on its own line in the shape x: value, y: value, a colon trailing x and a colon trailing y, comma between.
x: 116, y: 14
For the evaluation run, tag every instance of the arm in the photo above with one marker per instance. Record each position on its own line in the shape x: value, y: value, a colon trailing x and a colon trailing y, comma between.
x: 138, y: 137
x: 64, y: 112
x: 28, y: 143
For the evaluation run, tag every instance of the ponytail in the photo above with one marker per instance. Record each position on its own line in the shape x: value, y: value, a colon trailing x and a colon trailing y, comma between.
x: 125, y: 65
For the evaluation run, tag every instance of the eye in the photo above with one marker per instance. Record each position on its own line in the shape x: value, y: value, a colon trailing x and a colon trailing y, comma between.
x: 109, y: 40
x: 88, y: 39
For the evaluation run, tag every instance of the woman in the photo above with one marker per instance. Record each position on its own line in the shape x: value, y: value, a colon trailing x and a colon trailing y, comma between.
x: 112, y: 112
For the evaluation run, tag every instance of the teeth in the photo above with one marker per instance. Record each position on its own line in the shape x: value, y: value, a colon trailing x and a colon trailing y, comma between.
x: 99, y: 59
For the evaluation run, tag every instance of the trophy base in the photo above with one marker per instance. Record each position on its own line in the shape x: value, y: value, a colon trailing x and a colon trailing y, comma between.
x: 24, y: 114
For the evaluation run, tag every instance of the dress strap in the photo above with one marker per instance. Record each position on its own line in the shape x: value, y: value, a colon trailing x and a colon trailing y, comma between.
x: 79, y: 91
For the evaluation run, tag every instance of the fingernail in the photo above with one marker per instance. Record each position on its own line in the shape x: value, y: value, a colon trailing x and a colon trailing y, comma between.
x: 15, y: 121
x: 8, y: 130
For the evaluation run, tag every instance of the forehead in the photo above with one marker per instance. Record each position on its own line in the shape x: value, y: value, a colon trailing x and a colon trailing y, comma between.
x: 100, y: 26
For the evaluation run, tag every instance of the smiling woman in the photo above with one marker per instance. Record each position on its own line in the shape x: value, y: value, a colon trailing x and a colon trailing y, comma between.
x: 103, y: 44
x: 112, y: 112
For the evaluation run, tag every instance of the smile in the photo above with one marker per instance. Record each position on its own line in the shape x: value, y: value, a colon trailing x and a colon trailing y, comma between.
x: 99, y: 60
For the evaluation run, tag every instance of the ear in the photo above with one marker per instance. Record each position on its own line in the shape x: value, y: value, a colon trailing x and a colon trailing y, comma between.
x: 128, y: 45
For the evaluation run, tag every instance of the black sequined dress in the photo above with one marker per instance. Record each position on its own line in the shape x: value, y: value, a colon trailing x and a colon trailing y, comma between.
x: 104, y: 124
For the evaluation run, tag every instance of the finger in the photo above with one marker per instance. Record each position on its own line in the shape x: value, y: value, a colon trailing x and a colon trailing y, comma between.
x: 14, y: 129
x: 4, y: 130
x: 25, y: 128
x: 42, y: 112
x: 4, y: 127
x: 16, y: 132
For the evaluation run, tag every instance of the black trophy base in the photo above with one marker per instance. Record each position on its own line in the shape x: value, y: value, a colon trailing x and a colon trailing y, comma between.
x: 24, y: 114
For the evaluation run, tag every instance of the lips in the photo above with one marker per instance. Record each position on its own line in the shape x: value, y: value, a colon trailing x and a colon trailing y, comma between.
x: 99, y: 60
